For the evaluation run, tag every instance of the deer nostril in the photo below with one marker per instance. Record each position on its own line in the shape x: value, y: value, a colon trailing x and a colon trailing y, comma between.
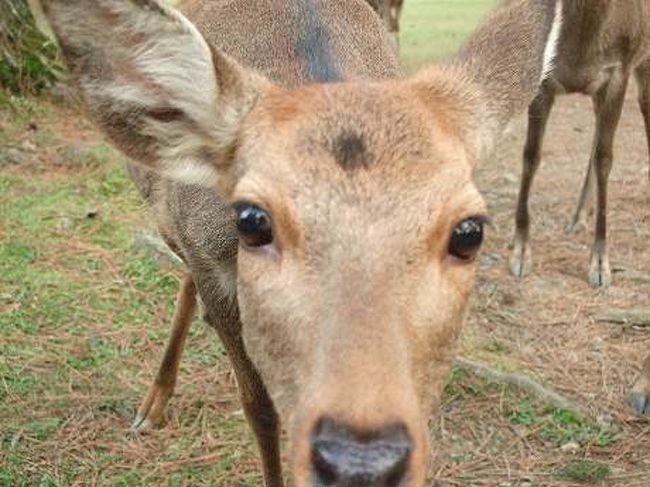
x: 342, y: 458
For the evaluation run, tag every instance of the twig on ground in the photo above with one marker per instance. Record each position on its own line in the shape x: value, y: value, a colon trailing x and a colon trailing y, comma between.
x: 521, y: 381
x: 632, y: 317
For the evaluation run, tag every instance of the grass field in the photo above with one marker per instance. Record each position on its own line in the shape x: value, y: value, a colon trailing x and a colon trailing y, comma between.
x: 433, y: 30
x: 85, y: 310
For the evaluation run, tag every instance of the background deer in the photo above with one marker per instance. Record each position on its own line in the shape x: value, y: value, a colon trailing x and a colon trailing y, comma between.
x: 390, y: 11
x: 601, y: 44
x: 325, y: 208
x: 640, y: 394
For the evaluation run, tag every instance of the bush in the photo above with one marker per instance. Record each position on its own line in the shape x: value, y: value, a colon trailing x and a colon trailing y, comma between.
x: 28, y: 57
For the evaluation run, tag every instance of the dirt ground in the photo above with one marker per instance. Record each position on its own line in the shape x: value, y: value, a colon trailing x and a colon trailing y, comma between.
x: 545, y: 325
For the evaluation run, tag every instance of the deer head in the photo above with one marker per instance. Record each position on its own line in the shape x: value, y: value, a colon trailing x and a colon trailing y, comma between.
x: 358, y: 219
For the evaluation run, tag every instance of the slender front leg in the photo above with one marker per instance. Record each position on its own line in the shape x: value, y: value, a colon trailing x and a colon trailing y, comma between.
x: 263, y: 420
x: 642, y: 74
x: 585, y: 202
x: 640, y: 394
x: 538, y: 113
x: 152, y: 408
x: 606, y: 123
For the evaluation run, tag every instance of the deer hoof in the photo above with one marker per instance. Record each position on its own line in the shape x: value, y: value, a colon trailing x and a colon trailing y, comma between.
x: 600, y: 276
x: 139, y: 427
x: 151, y: 412
x: 519, y: 268
x: 640, y: 403
x: 521, y: 261
x: 600, y: 279
x: 639, y: 397
x: 575, y: 227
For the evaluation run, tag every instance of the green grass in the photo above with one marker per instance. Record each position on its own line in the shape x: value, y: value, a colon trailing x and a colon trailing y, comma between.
x: 432, y: 31
x: 559, y: 426
x: 584, y: 471
x: 28, y: 58
x: 555, y: 427
x: 80, y: 312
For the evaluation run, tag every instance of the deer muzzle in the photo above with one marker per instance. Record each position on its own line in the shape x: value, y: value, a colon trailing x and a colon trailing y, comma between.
x: 342, y: 457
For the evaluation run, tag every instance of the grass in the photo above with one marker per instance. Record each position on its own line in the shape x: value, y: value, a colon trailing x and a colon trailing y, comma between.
x: 84, y: 317
x: 432, y: 31
x: 584, y: 471
x: 28, y: 61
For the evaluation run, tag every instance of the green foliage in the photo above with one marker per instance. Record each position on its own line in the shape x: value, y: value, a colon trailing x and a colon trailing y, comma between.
x: 584, y: 471
x: 560, y: 426
x: 495, y: 346
x: 28, y: 61
x: 567, y: 426
x: 525, y: 414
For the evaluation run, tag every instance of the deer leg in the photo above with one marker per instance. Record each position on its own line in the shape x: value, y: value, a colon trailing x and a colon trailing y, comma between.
x: 607, y: 119
x: 263, y: 420
x: 585, y: 202
x: 642, y: 74
x: 640, y: 393
x: 152, y: 408
x: 258, y: 406
x: 538, y: 113
x: 579, y: 220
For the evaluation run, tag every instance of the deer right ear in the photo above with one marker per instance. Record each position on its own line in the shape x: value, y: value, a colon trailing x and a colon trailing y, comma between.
x: 497, y: 73
x: 162, y: 95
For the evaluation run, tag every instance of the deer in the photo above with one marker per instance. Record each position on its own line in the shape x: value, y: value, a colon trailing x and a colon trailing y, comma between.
x: 390, y: 11
x: 639, y: 397
x: 602, y: 44
x: 323, y: 204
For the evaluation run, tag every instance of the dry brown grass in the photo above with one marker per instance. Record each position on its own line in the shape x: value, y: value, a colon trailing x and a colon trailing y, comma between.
x: 545, y: 325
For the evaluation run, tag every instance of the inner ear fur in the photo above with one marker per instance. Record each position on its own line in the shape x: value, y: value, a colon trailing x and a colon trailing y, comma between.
x: 159, y: 91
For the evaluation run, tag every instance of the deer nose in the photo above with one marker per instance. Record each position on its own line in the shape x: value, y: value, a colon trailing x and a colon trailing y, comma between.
x: 343, y: 458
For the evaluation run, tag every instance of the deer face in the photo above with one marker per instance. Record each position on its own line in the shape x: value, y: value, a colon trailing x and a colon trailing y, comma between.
x: 358, y: 226
x: 358, y: 222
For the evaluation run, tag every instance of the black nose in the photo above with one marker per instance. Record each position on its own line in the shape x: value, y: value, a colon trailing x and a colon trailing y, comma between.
x: 344, y: 458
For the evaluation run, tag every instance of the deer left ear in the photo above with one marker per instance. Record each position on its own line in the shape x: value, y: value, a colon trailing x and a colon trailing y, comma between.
x: 161, y: 94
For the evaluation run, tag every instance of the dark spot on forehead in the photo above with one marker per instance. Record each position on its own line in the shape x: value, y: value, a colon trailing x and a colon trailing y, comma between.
x: 349, y: 151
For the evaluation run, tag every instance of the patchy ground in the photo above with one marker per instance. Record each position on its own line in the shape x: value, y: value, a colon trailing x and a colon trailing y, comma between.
x: 546, y: 326
x: 85, y: 309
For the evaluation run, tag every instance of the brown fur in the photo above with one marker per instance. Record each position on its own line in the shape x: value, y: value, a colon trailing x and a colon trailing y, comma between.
x: 353, y: 312
x: 602, y: 43
x: 390, y: 11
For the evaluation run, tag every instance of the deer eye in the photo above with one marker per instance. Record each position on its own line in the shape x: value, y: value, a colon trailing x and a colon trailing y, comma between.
x: 466, y: 238
x: 253, y: 225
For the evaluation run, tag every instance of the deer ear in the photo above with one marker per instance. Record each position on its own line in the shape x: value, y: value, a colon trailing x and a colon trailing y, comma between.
x: 158, y: 90
x: 498, y: 71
